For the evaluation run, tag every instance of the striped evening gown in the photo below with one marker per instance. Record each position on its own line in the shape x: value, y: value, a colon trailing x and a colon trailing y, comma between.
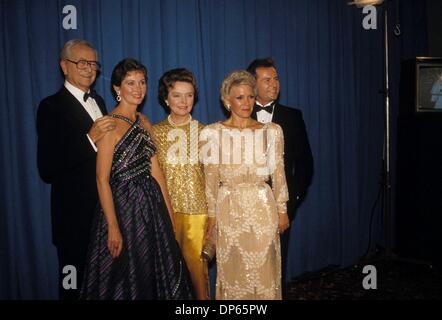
x: 150, y: 265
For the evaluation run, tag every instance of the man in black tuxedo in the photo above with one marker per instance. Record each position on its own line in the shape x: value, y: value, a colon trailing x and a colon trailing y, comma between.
x: 298, y: 159
x: 69, y: 123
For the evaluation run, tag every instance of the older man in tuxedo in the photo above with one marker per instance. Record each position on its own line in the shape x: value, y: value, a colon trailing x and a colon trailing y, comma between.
x: 298, y: 159
x: 69, y: 123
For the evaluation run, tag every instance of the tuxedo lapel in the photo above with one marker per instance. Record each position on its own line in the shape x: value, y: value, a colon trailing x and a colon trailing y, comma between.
x: 101, y: 105
x: 277, y: 114
x: 254, y: 113
x: 75, y: 110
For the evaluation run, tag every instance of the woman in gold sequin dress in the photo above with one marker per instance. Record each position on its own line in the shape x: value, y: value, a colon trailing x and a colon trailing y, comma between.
x: 249, y: 214
x: 176, y: 138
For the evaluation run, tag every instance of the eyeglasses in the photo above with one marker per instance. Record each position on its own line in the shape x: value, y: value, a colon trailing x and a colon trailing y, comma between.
x: 83, y: 64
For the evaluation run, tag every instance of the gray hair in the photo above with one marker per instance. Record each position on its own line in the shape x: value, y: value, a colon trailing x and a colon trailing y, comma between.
x: 65, y: 52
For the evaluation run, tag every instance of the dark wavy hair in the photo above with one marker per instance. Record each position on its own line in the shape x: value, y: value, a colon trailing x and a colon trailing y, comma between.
x: 260, y: 63
x: 122, y: 69
x: 168, y: 80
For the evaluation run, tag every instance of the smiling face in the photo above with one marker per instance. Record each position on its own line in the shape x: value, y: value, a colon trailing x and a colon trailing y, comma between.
x: 133, y: 88
x: 180, y: 98
x: 241, y: 100
x: 82, y: 79
x: 267, y: 84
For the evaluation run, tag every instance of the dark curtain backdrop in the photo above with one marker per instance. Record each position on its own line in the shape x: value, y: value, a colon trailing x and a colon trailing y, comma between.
x: 329, y: 66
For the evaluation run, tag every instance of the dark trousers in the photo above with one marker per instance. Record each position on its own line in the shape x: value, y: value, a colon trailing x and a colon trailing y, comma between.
x: 70, y: 256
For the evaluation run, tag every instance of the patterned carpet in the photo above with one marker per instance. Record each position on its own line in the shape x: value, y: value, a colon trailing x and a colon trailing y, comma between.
x: 396, y: 280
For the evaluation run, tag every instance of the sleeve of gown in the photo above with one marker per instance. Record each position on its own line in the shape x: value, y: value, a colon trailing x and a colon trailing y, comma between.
x: 211, y: 175
x: 212, y: 184
x: 279, y: 184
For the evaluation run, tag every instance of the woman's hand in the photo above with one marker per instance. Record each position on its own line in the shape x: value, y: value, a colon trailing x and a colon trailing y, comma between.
x: 210, y: 225
x: 284, y: 222
x: 114, y: 241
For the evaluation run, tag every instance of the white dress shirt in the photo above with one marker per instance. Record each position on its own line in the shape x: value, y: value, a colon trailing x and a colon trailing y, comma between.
x: 264, y: 116
x: 90, y: 105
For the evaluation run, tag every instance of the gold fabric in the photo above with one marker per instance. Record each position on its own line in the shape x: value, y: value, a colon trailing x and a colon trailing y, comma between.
x: 183, y: 172
x: 190, y: 234
x: 177, y: 150
x: 247, y: 211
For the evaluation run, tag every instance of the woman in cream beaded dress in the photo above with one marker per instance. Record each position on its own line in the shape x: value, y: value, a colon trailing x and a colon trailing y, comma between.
x: 241, y: 158
x: 176, y: 139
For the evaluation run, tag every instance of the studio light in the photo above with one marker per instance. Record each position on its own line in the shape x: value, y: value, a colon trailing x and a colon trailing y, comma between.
x: 363, y: 3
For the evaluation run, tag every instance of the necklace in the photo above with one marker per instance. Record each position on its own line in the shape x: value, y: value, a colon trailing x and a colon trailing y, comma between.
x: 169, y: 118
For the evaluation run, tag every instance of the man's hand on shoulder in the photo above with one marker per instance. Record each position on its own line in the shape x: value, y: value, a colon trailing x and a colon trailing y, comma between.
x: 100, y: 127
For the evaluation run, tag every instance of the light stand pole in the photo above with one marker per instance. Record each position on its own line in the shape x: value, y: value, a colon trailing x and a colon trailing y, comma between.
x: 386, y: 206
x: 386, y: 161
x: 387, y: 147
x: 386, y: 169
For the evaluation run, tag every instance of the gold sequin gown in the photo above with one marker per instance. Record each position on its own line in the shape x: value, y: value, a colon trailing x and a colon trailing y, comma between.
x: 185, y: 182
x: 247, y: 210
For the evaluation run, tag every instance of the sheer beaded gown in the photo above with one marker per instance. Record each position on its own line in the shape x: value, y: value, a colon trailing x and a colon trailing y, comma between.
x: 150, y: 265
x: 246, y: 208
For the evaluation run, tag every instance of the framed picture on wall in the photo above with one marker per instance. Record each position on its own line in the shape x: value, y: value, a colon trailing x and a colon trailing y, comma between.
x: 428, y: 84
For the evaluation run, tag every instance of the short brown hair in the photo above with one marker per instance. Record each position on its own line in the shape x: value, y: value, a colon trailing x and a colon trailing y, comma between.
x: 168, y: 79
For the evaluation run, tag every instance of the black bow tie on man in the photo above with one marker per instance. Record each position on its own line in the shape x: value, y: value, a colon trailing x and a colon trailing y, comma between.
x: 91, y: 94
x: 268, y: 109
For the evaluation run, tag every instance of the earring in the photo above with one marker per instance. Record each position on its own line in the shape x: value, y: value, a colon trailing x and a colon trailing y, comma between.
x: 118, y: 96
x: 228, y: 107
x: 167, y: 102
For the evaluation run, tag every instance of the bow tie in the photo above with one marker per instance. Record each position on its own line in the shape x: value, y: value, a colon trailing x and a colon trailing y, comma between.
x: 268, y: 109
x: 91, y: 94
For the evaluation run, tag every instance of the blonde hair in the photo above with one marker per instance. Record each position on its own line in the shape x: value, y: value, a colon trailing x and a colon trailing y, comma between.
x: 234, y: 79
